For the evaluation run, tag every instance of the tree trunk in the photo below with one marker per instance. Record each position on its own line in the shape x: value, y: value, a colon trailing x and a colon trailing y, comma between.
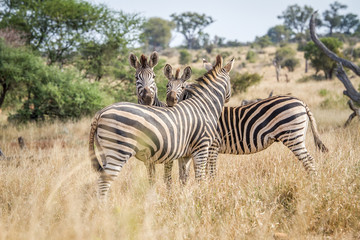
x: 306, y: 65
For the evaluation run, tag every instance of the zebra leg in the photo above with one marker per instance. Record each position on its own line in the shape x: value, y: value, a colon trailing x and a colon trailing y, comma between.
x: 109, y: 173
x: 211, y: 164
x: 184, y: 169
x: 303, y: 155
x: 167, y: 173
x: 199, y: 159
x: 150, y: 167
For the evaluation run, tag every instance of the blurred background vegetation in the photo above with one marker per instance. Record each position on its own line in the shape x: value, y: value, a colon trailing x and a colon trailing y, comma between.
x: 64, y: 59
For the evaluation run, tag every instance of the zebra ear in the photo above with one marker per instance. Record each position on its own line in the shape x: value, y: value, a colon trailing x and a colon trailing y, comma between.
x: 230, y: 65
x: 218, y: 63
x: 186, y: 74
x: 134, y: 62
x: 153, y: 59
x: 168, y: 71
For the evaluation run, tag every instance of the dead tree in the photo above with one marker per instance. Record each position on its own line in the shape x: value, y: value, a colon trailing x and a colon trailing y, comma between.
x: 350, y: 91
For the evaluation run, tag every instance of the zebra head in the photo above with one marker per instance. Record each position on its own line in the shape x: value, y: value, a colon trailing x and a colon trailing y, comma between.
x: 224, y: 72
x: 176, y: 86
x: 145, y: 77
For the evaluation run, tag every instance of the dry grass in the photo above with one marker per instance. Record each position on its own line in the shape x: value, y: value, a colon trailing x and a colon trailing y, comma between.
x: 48, y: 191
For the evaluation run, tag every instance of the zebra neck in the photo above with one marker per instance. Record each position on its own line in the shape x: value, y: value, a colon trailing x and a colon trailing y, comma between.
x: 158, y: 103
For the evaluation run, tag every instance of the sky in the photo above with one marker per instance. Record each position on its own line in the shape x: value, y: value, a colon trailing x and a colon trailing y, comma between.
x: 234, y: 19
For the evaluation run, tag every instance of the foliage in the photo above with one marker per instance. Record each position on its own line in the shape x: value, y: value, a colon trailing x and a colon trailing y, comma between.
x: 18, y: 67
x: 44, y: 92
x: 348, y: 22
x: 279, y: 33
x: 62, y: 95
x: 296, y: 17
x: 263, y: 41
x: 185, y: 57
x: 332, y: 18
x: 251, y: 56
x: 191, y: 25
x: 240, y: 82
x: 98, y: 55
x: 58, y: 27
x: 157, y: 33
x: 318, y: 58
x: 285, y: 57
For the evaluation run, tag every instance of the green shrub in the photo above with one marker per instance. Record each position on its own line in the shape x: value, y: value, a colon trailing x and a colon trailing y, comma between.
x: 251, y: 56
x: 60, y: 95
x: 323, y: 92
x: 285, y: 56
x: 185, y: 57
x: 240, y: 82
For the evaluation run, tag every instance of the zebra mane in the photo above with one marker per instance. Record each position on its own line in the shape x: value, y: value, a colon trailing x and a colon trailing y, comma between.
x: 177, y: 73
x: 143, y: 61
x: 212, y: 72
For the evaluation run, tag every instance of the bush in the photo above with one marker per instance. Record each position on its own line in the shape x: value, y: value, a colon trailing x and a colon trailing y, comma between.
x: 318, y: 58
x: 60, y: 95
x: 285, y: 56
x: 251, y: 56
x: 185, y: 57
x: 240, y: 82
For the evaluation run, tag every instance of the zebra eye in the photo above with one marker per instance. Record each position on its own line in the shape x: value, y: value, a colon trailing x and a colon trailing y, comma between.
x: 154, y: 76
x: 136, y: 77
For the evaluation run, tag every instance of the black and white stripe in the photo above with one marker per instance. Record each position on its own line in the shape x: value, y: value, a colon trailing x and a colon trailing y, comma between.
x: 157, y: 135
x: 254, y: 127
x: 146, y: 89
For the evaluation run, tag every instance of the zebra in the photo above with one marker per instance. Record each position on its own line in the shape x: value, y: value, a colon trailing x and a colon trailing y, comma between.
x: 155, y: 134
x: 146, y: 89
x: 147, y: 95
x: 254, y: 127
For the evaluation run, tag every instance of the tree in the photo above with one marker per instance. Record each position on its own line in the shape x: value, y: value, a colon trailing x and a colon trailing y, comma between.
x: 284, y: 57
x: 191, y: 25
x: 113, y: 33
x: 350, y: 91
x: 332, y: 18
x: 53, y: 27
x: 279, y: 34
x: 44, y: 92
x: 348, y: 22
x: 57, y: 27
x: 157, y: 33
x: 296, y: 17
x: 263, y: 41
x: 17, y: 68
x: 318, y: 58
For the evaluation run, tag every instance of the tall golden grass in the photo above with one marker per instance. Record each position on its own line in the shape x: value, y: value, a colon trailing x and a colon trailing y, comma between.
x: 48, y: 190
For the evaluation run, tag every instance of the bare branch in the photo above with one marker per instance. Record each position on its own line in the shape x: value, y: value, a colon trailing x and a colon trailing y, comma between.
x: 350, y: 90
x: 356, y: 112
x: 333, y: 56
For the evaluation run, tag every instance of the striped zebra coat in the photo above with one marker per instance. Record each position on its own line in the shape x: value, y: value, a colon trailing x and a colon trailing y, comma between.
x: 157, y: 135
x: 146, y: 90
x: 254, y: 127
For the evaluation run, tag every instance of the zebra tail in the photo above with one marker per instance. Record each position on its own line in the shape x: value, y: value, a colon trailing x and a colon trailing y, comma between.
x: 318, y: 143
x: 94, y: 160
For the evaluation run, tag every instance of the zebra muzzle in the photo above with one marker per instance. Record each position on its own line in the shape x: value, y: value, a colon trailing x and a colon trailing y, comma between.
x: 171, y: 99
x: 147, y: 96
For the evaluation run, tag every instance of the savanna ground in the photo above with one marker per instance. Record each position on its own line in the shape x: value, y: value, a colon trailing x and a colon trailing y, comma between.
x: 48, y: 191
